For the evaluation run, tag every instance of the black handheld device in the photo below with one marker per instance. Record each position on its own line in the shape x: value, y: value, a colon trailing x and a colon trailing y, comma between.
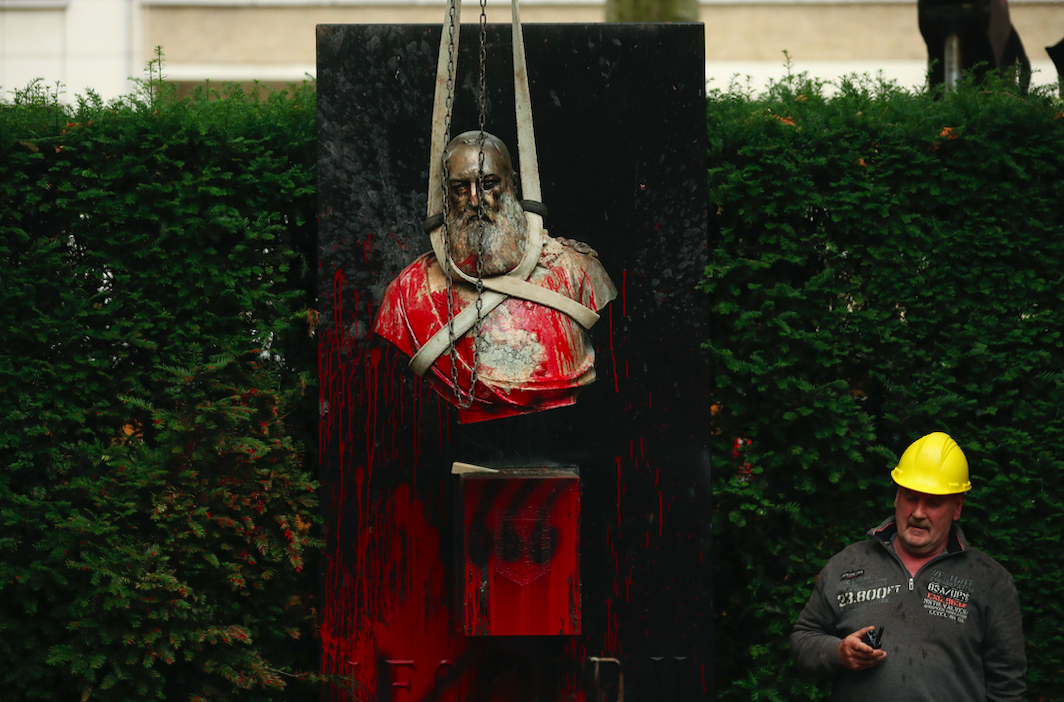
x: 874, y: 638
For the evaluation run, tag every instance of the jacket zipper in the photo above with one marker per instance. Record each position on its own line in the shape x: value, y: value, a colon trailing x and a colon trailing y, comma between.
x: 912, y: 578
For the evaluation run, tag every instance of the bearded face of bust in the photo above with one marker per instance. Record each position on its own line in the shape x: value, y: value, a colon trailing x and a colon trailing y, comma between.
x: 486, y: 225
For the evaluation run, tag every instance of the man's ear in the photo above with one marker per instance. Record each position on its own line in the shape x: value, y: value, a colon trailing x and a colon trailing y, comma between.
x: 957, y: 508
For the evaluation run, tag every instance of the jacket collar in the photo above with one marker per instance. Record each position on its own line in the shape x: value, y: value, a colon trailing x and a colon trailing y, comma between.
x: 884, y: 533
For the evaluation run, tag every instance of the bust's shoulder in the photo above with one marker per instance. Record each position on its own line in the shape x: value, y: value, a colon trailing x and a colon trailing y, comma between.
x: 575, y: 264
x: 417, y: 272
x: 567, y: 252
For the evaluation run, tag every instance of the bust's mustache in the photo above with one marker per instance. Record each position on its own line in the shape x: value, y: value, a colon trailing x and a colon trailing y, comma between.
x: 497, y: 238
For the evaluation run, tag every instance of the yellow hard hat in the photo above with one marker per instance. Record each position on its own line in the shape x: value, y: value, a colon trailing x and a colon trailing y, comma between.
x: 933, y: 464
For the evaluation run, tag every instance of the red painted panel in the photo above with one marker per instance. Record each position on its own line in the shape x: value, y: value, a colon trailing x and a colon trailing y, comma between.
x: 520, y: 550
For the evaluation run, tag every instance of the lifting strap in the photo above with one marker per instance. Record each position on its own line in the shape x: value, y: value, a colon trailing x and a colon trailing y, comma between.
x: 515, y: 283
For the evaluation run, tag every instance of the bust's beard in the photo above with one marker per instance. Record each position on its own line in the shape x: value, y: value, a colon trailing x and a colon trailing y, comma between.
x: 505, y: 235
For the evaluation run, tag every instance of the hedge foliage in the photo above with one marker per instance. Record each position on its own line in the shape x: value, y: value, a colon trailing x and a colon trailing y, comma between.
x: 883, y: 264
x: 156, y: 272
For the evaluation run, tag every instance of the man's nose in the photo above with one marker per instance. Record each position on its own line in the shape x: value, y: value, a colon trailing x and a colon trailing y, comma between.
x: 474, y: 195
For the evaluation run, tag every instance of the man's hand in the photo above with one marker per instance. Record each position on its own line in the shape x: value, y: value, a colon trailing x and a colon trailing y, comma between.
x: 855, y: 654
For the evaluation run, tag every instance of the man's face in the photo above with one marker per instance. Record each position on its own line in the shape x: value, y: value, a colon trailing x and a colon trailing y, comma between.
x: 491, y: 242
x: 924, y: 520
x: 464, y: 191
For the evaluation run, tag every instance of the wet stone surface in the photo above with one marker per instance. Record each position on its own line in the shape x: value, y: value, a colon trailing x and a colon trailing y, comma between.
x: 620, y: 127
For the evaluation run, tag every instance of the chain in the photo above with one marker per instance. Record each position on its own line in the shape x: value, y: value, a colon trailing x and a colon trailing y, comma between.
x: 465, y: 399
x: 463, y: 402
x: 482, y: 97
x: 481, y: 118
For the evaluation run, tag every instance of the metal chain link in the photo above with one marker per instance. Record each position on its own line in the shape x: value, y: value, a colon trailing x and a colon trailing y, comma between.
x: 481, y: 119
x: 464, y: 399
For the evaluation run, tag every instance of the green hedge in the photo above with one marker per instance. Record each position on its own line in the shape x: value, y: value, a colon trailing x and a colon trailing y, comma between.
x: 882, y: 264
x: 156, y: 272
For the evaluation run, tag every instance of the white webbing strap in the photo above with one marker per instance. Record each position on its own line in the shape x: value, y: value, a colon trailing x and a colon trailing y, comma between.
x: 515, y: 283
x: 435, y: 347
x: 446, y: 70
x: 526, y: 133
x: 524, y: 290
x: 467, y: 318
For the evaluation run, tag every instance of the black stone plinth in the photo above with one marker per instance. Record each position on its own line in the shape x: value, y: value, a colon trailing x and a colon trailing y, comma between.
x: 620, y: 125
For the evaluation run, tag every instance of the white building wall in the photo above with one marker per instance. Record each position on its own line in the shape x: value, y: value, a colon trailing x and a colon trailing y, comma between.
x: 100, y: 51
x: 80, y: 44
x: 100, y: 44
x: 32, y: 44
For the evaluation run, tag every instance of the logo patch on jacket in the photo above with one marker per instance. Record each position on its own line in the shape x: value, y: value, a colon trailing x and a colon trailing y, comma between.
x: 866, y: 593
x: 949, y: 596
x: 850, y: 575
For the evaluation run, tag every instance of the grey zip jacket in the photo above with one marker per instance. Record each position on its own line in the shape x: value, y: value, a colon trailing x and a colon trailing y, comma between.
x: 952, y: 633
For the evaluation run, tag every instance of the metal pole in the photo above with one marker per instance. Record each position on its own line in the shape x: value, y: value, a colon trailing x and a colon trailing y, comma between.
x: 953, y: 61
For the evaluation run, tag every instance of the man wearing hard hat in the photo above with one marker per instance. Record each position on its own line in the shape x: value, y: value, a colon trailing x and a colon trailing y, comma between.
x: 913, y: 613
